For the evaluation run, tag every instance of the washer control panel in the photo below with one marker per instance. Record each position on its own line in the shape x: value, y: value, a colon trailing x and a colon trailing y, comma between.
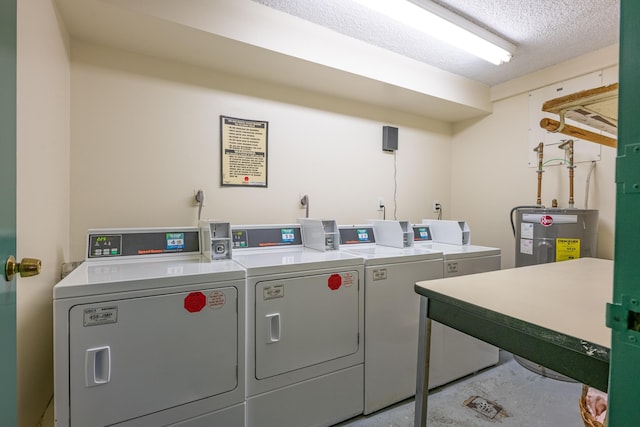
x: 109, y: 243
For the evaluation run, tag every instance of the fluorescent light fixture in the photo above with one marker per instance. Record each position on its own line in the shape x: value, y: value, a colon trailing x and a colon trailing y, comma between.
x: 441, y: 23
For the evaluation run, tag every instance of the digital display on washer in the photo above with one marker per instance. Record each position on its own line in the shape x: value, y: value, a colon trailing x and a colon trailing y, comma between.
x: 142, y: 243
x: 266, y: 237
x: 175, y: 241
x: 288, y: 235
x: 356, y: 235
x: 105, y: 245
x: 421, y: 234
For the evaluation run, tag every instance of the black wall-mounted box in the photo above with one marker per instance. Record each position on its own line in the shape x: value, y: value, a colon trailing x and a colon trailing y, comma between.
x: 389, y: 138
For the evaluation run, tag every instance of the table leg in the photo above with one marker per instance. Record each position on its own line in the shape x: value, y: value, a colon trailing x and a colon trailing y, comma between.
x: 422, y: 379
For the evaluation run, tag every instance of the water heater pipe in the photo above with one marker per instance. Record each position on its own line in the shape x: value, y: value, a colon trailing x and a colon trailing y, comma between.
x: 539, y: 149
x: 569, y: 148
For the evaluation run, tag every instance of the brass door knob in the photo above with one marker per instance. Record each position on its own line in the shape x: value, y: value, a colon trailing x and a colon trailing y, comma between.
x: 27, y: 267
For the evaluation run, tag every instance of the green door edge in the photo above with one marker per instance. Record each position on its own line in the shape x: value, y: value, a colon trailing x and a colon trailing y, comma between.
x: 8, y: 379
x: 624, y: 369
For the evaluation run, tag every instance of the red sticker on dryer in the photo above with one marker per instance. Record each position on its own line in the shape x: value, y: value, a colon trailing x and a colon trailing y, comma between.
x: 334, y: 282
x: 194, y: 302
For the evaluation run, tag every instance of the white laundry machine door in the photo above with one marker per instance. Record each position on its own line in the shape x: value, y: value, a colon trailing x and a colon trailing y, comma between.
x: 133, y: 357
x: 305, y: 320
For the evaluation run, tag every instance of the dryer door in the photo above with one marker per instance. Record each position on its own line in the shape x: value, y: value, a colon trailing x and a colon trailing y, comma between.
x: 304, y: 321
x: 132, y: 357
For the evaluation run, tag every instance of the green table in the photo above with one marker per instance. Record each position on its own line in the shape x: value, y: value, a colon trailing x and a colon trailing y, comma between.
x: 551, y: 314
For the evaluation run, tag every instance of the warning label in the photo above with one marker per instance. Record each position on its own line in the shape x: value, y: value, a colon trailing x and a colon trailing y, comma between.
x: 567, y: 249
x: 526, y: 246
x: 347, y: 279
x: 216, y: 299
x: 526, y: 230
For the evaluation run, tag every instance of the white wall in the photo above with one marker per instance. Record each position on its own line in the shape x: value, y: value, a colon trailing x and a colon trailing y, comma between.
x: 43, y: 194
x: 490, y: 172
x: 145, y: 135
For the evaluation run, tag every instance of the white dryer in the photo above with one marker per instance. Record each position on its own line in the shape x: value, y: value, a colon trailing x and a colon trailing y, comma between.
x: 454, y: 354
x: 305, y: 327
x: 391, y: 313
x: 147, y: 332
x: 459, y: 259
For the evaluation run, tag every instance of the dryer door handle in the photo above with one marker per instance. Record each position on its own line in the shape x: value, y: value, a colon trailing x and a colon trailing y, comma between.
x: 273, y: 327
x: 97, y: 364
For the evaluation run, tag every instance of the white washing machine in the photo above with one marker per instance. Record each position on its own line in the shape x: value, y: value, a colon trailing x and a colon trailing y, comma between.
x: 305, y: 328
x: 454, y: 354
x: 391, y: 313
x: 147, y: 332
x: 459, y: 259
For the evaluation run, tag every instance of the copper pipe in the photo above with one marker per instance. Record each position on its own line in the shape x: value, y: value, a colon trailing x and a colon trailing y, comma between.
x: 539, y: 149
x: 571, y: 169
x: 569, y: 145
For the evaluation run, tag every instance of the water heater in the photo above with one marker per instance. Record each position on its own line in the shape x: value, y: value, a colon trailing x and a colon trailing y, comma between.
x: 548, y: 234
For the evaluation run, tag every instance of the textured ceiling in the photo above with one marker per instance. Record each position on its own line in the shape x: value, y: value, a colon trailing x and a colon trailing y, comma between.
x: 546, y: 32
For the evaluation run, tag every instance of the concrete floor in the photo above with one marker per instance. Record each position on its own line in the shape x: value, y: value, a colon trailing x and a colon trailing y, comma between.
x: 528, y: 400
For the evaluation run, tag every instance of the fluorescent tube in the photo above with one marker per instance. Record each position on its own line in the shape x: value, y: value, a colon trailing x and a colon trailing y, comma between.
x: 441, y: 23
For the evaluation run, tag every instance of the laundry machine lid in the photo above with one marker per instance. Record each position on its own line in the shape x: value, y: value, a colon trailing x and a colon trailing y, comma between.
x: 108, y: 276
x: 295, y: 260
x: 377, y: 254
x: 461, y: 251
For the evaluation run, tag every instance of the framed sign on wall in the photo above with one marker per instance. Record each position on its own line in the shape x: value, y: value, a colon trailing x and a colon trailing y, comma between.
x: 243, y: 157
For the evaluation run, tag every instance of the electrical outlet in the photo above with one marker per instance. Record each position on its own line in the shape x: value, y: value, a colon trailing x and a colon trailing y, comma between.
x: 380, y: 204
x: 436, y: 206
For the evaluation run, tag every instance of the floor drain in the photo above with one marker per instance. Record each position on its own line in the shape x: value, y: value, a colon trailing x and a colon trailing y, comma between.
x: 484, y: 407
